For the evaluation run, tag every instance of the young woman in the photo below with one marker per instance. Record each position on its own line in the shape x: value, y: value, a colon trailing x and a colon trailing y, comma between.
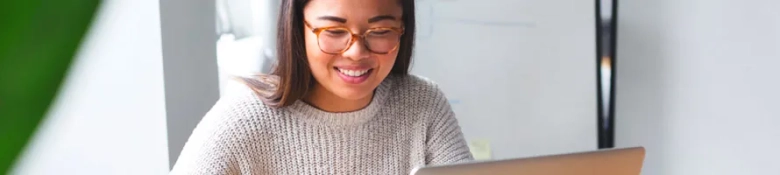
x: 340, y: 101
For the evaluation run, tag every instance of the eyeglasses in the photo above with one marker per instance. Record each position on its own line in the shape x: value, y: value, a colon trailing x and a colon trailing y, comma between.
x: 337, y: 40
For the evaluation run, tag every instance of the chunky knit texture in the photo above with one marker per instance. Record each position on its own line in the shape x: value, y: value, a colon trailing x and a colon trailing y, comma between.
x: 408, y: 123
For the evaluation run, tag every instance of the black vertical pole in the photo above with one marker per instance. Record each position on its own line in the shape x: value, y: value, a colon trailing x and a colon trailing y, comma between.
x: 605, y: 38
x: 599, y: 101
x: 610, y: 139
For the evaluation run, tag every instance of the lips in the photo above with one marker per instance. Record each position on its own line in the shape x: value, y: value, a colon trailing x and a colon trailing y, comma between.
x: 354, y: 75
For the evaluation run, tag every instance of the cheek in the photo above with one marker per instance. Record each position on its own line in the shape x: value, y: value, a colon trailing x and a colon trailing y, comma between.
x: 386, y: 62
x: 319, y: 62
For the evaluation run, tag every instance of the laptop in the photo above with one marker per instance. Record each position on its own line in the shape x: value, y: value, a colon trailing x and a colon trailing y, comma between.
x: 624, y: 161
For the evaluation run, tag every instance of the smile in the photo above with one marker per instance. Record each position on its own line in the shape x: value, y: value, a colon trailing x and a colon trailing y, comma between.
x: 354, y: 75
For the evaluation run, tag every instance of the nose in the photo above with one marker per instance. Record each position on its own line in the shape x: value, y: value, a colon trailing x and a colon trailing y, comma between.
x: 357, y: 50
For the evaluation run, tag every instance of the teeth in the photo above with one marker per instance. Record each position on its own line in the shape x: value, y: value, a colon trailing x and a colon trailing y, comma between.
x: 354, y: 73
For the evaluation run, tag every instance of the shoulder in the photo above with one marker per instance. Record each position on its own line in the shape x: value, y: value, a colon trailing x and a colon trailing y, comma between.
x: 417, y: 92
x: 424, y: 99
x: 416, y: 86
x: 218, y: 142
x: 240, y: 105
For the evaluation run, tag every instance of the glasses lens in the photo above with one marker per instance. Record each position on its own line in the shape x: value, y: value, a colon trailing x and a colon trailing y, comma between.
x: 382, y: 40
x: 334, y: 40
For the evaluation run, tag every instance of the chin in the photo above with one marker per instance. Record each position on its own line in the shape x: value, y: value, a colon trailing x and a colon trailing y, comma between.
x: 354, y: 94
x: 355, y: 90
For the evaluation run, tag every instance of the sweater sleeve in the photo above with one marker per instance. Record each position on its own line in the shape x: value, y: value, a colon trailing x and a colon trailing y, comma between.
x: 209, y: 149
x: 445, y: 144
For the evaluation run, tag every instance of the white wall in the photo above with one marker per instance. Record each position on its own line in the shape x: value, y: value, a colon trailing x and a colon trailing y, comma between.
x: 520, y: 75
x: 189, y: 41
x: 698, y: 84
x: 109, y: 117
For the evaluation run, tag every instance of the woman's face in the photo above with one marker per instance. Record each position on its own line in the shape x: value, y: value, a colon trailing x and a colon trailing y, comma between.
x: 354, y: 73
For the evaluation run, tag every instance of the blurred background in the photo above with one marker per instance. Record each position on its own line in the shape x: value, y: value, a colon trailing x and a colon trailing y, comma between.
x: 118, y: 86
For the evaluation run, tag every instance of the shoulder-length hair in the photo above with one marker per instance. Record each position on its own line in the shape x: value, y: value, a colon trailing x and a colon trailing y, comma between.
x: 291, y: 78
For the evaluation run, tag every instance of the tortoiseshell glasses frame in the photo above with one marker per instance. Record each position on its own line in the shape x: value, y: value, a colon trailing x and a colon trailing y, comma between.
x: 379, y: 40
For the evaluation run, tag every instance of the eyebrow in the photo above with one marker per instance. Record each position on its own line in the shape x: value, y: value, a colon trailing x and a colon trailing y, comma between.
x: 381, y: 17
x: 333, y: 18
x: 372, y: 20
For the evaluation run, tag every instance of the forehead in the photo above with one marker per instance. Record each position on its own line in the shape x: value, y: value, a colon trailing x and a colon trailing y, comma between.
x: 352, y: 9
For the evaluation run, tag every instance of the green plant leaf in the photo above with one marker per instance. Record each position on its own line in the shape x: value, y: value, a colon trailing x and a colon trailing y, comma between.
x: 38, y: 40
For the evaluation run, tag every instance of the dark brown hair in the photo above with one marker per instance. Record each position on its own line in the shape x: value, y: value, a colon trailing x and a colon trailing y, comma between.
x: 291, y: 78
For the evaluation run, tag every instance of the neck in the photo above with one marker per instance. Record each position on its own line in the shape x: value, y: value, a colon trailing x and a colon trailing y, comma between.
x: 325, y: 100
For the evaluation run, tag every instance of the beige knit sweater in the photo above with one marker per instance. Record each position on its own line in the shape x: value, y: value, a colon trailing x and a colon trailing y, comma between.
x: 408, y: 124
